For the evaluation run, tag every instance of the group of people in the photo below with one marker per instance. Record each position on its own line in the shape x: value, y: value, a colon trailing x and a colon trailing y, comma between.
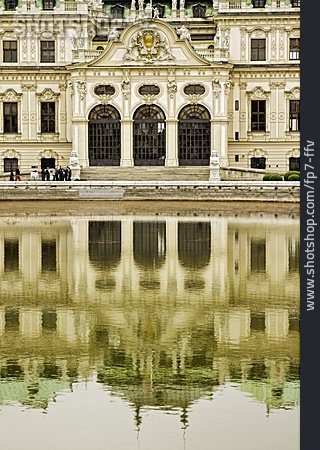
x: 15, y: 176
x: 56, y: 174
x: 48, y: 174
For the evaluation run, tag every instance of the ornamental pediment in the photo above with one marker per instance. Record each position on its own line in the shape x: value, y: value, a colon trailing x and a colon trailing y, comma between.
x: 151, y: 42
x: 10, y: 95
x: 149, y: 46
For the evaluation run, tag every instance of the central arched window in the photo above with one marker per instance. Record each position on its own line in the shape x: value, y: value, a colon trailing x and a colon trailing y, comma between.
x: 104, y: 136
x: 194, y: 136
x: 48, y: 5
x: 259, y: 3
x: 149, y: 244
x: 117, y: 12
x: 149, y: 136
x: 10, y: 5
x: 199, y: 11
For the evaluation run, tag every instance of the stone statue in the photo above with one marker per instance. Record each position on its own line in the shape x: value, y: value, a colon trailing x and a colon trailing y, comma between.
x: 156, y: 13
x: 113, y: 34
x: 216, y: 86
x: 174, y: 4
x: 126, y: 86
x: 183, y: 33
x: 181, y: 4
x: 141, y: 2
x: 82, y: 88
x: 148, y: 11
x: 225, y: 42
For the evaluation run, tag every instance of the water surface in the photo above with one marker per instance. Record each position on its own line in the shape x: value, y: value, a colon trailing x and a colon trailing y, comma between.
x: 149, y: 331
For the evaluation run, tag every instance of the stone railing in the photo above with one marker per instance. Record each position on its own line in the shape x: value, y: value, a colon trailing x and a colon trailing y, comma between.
x: 206, y: 53
x: 245, y: 6
x: 85, y: 55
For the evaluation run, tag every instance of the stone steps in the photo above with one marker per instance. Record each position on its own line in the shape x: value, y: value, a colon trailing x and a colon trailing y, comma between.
x: 146, y: 173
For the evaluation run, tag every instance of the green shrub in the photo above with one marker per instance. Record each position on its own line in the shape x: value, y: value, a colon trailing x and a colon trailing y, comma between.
x: 288, y: 174
x: 267, y: 176
x: 294, y: 177
x: 275, y: 177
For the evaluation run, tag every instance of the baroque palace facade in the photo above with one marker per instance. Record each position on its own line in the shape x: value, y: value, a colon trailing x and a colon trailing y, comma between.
x: 134, y: 84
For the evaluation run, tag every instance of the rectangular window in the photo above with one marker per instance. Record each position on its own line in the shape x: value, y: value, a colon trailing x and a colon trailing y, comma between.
x: 48, y: 117
x: 294, y: 164
x: 258, y: 163
x: 294, y: 255
x: 10, y: 164
x: 236, y: 158
x: 12, y: 319
x: 236, y: 105
x: 258, y: 115
x: 49, y: 256
x: 10, y: 51
x: 10, y: 117
x: 258, y: 49
x: 236, y: 136
x: 47, y: 50
x: 294, y: 49
x: 258, y: 255
x: 294, y: 116
x: 11, y: 255
x: 259, y: 3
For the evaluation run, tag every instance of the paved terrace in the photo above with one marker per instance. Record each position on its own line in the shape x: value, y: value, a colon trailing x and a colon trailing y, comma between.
x: 151, y: 190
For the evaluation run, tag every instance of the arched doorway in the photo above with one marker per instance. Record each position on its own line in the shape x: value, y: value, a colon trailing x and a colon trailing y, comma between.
x: 104, y: 136
x: 149, y: 136
x: 194, y: 136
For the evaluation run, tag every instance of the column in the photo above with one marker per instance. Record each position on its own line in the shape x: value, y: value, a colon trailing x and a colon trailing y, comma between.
x: 126, y: 143
x: 243, y: 111
x: 281, y: 107
x: 274, y: 128
x: 26, y: 117
x: 172, y: 143
x: 219, y: 139
x: 62, y: 113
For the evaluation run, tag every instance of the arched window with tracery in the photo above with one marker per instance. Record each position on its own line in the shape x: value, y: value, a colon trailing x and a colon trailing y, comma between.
x: 104, y: 136
x: 194, y: 136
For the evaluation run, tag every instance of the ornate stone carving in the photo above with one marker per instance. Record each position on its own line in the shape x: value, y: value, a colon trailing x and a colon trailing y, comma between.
x: 10, y: 95
x: 82, y: 88
x: 227, y: 87
x: 48, y: 95
x: 184, y: 33
x: 126, y: 85
x: 216, y: 87
x: 71, y: 87
x: 258, y: 94
x: 243, y: 43
x: 148, y: 46
x: 294, y: 94
x: 172, y: 88
x: 10, y: 153
x: 77, y: 40
x: 113, y: 34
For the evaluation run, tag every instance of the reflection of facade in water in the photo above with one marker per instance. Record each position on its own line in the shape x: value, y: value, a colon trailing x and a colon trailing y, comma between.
x: 163, y: 310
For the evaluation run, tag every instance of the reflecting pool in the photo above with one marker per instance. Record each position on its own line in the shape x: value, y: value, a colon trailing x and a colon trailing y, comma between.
x: 159, y: 332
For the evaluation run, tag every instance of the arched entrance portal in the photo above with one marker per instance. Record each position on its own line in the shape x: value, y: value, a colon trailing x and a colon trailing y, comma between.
x: 104, y: 136
x: 149, y: 136
x: 194, y: 136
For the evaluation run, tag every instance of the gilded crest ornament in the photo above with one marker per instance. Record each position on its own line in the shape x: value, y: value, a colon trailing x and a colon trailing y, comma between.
x: 148, y: 46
